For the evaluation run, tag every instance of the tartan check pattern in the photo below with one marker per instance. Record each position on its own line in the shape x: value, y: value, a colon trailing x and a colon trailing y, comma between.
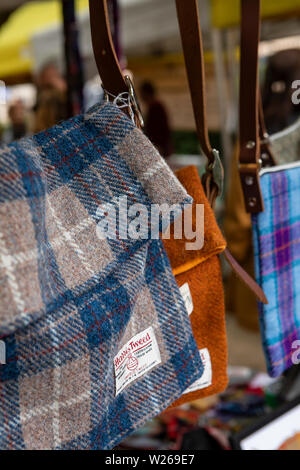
x: 276, y: 234
x: 69, y: 301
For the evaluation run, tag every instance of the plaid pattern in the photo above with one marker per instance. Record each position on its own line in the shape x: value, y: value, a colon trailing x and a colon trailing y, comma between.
x: 69, y: 301
x: 276, y: 233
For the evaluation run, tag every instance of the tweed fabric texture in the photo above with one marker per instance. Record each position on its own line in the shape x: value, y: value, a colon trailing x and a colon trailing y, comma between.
x: 285, y: 144
x: 69, y: 301
x: 203, y: 275
x: 276, y: 236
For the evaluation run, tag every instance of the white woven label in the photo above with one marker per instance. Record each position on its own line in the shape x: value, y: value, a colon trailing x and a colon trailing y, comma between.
x: 206, y: 378
x: 136, y: 357
x: 187, y: 297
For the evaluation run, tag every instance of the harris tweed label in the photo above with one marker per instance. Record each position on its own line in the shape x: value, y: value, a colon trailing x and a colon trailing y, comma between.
x: 137, y: 357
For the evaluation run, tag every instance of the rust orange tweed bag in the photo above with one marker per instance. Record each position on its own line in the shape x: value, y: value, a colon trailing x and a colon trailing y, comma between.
x: 198, y: 274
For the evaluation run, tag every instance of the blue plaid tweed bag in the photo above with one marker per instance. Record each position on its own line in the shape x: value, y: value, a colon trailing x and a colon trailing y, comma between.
x: 276, y: 235
x: 96, y: 334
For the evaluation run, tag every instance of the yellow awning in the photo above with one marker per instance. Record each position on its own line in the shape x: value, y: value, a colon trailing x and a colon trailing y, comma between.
x: 226, y: 13
x: 32, y: 17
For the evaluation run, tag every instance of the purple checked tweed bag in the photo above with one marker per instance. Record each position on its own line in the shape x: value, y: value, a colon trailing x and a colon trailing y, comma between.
x: 73, y: 307
x: 276, y: 234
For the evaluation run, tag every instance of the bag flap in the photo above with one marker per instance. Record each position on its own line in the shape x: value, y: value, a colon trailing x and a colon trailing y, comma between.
x: 214, y: 243
x: 51, y: 187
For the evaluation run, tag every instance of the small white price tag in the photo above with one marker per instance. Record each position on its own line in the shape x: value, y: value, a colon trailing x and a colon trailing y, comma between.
x: 206, y: 378
x: 187, y: 297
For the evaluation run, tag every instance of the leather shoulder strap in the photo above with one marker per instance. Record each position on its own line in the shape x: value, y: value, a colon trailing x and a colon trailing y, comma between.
x: 114, y: 82
x: 249, y: 106
x: 191, y: 38
x: 192, y: 44
x: 104, y: 51
x: 245, y: 278
x: 111, y: 74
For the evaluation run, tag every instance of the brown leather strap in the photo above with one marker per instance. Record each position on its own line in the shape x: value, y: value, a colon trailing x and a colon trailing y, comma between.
x: 192, y: 44
x: 113, y: 80
x: 249, y: 91
x: 249, y: 101
x: 104, y: 52
x: 244, y: 276
x: 191, y: 38
x: 111, y: 74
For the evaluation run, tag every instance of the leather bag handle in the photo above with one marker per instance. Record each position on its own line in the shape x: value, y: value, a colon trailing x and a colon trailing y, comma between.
x: 255, y: 151
x: 115, y: 83
x: 104, y: 52
x: 192, y: 44
x: 249, y: 137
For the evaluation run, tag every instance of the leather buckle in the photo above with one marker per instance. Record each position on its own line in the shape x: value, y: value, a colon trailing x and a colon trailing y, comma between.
x: 216, y: 170
x: 249, y: 174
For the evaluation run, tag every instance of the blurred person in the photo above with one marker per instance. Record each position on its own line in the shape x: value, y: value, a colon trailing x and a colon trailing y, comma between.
x: 51, y: 105
x: 17, y: 127
x: 283, y: 68
x: 157, y: 126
